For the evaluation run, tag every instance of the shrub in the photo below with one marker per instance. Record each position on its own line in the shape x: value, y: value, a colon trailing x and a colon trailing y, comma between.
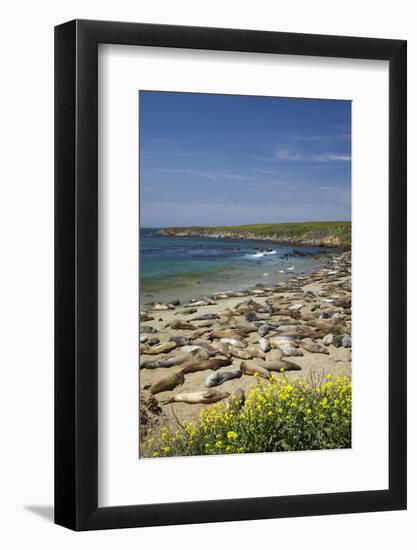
x: 281, y: 415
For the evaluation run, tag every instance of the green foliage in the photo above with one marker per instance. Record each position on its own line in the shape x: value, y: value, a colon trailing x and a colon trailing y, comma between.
x: 280, y: 415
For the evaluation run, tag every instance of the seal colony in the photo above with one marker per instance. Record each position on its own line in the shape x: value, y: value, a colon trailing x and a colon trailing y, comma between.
x: 197, y: 353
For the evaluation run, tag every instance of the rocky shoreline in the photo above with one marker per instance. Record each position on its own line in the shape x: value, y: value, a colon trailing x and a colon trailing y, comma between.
x: 194, y: 354
x: 297, y: 235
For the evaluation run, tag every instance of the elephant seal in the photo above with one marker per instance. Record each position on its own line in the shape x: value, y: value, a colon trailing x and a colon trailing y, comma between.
x: 198, y: 303
x: 192, y: 347
x: 280, y: 366
x: 328, y: 326
x: 336, y: 340
x: 143, y: 317
x: 217, y: 378
x: 147, y: 329
x: 277, y: 341
x: 274, y: 354
x: 152, y: 340
x: 183, y: 325
x: 206, y: 317
x: 347, y: 341
x: 200, y: 331
x: 210, y: 364
x: 250, y: 368
x: 264, y: 344
x: 167, y: 383
x: 192, y: 357
x: 315, y: 348
x: 295, y: 331
x: 188, y: 311
x: 255, y: 352
x: 231, y: 351
x: 296, y: 307
x: 242, y: 324
x: 227, y: 333
x: 290, y: 351
x: 205, y: 397
x: 248, y: 353
x: 160, y: 307
x: 236, y: 342
x: 159, y: 348
x: 180, y: 340
x: 264, y: 329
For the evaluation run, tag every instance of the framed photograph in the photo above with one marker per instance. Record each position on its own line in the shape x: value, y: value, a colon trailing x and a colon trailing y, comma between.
x: 230, y: 247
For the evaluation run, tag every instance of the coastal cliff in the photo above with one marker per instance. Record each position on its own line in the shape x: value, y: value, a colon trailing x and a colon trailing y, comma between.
x: 331, y: 234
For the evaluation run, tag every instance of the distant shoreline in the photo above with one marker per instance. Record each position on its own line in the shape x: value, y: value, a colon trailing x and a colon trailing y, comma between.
x: 328, y: 234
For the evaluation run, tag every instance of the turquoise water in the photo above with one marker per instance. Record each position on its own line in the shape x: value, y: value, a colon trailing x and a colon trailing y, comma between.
x: 190, y: 267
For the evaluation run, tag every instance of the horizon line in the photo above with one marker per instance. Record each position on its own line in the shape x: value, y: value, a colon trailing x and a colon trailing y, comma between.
x: 244, y: 224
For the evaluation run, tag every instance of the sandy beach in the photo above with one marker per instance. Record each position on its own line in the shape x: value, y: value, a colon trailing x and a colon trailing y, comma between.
x: 305, y: 320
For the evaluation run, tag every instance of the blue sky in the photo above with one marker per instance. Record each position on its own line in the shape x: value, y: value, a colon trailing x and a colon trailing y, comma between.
x: 210, y: 159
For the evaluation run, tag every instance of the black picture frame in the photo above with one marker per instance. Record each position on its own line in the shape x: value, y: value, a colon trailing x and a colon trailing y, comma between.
x: 76, y: 272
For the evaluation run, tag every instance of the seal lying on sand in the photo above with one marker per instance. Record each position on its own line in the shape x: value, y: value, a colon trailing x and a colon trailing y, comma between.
x: 250, y: 368
x: 217, y: 378
x: 277, y: 341
x: 191, y: 357
x: 236, y: 342
x: 192, y: 347
x: 145, y: 317
x: 290, y: 351
x: 159, y: 348
x: 264, y: 344
x: 210, y: 364
x: 231, y: 351
x: 206, y: 397
x: 249, y: 353
x: 206, y: 317
x: 183, y: 325
x: 280, y: 366
x: 180, y: 340
x: 315, y: 348
x: 167, y: 383
x: 227, y: 333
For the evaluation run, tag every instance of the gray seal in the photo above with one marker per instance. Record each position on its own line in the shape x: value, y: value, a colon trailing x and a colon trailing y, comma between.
x: 217, y: 378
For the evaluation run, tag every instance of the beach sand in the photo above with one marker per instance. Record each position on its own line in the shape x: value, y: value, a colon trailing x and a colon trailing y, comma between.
x: 325, y: 297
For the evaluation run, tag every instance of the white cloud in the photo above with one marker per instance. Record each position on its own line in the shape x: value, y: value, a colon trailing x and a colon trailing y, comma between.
x: 211, y: 175
x: 216, y: 176
x: 291, y: 154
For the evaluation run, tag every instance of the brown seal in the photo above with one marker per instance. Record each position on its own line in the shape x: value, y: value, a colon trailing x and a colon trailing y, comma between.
x: 159, y: 348
x: 250, y: 368
x: 315, y: 348
x: 290, y: 351
x: 205, y: 397
x: 210, y: 364
x: 280, y: 366
x: 182, y: 325
x: 191, y: 357
x: 167, y: 383
x: 228, y: 333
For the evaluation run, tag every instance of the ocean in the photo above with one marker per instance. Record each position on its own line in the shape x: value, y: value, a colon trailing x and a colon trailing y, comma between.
x: 191, y: 267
